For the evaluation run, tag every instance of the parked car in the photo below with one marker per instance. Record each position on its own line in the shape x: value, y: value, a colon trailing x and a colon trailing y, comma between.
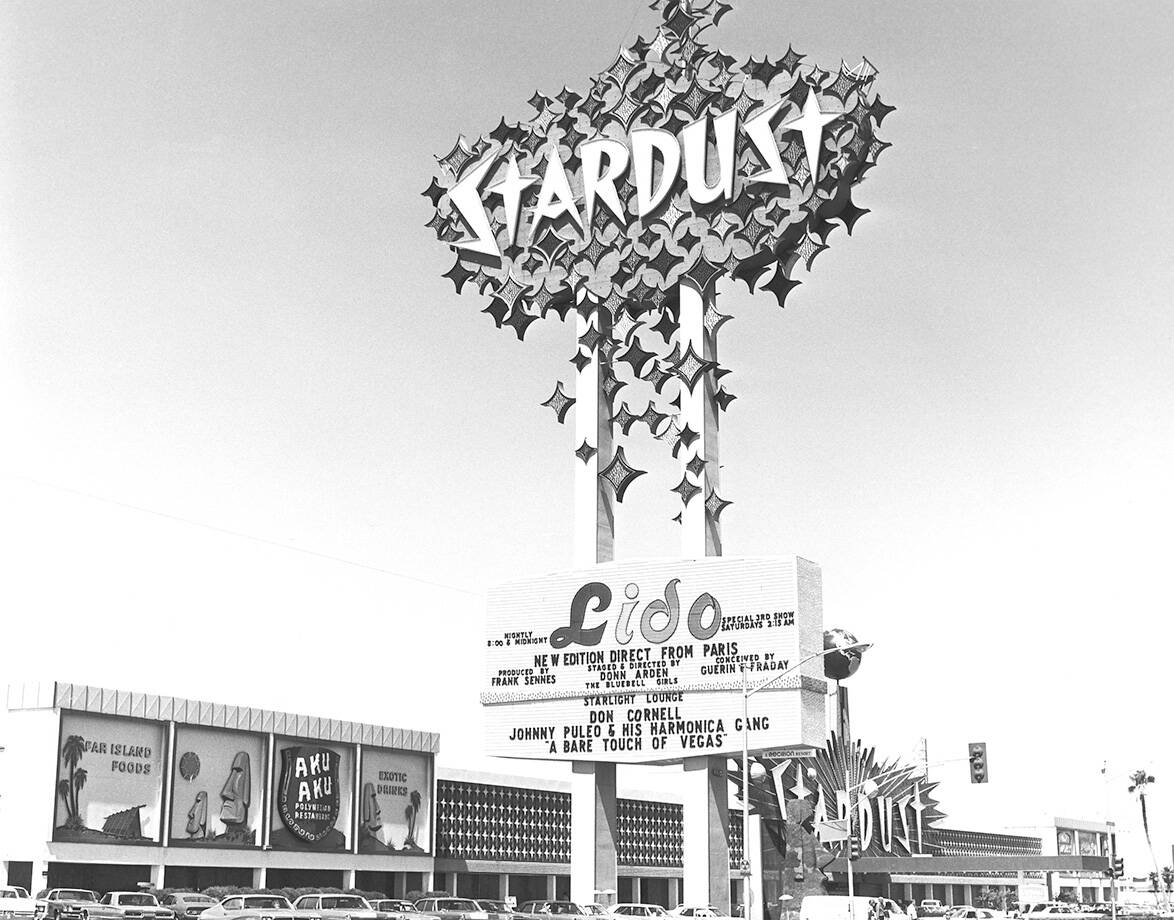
x: 253, y: 907
x: 16, y: 903
x: 931, y: 907
x: 396, y: 908
x: 187, y: 904
x: 338, y: 907
x: 966, y: 912
x: 594, y: 910
x: 497, y: 910
x: 639, y: 910
x: 709, y: 913
x: 73, y: 904
x: 136, y: 905
x: 451, y: 909
x: 552, y: 908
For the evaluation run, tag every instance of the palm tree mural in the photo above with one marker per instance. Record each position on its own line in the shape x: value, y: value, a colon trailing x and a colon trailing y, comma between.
x: 79, y: 783
x: 71, y: 755
x: 63, y: 790
x: 1139, y: 780
x: 410, y: 813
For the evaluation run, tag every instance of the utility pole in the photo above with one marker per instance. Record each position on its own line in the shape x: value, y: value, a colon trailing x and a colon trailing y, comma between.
x: 1113, y: 868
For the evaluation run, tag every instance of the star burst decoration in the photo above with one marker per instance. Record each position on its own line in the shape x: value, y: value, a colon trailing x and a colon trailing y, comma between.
x: 812, y: 784
x: 513, y: 206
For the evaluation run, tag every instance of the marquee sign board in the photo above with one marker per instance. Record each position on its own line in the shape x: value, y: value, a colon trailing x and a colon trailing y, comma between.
x: 641, y: 662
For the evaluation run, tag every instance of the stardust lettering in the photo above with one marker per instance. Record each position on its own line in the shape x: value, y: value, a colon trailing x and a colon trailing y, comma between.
x: 606, y: 162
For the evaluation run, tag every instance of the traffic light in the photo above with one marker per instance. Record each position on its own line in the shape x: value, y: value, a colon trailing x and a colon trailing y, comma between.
x: 1118, y: 867
x: 978, y: 765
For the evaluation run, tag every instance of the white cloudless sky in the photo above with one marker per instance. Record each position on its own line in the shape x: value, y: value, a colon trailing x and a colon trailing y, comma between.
x: 257, y: 450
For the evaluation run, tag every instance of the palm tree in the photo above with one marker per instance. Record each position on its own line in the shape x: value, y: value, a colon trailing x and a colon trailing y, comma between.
x: 412, y: 811
x: 63, y: 791
x: 79, y: 783
x: 1138, y: 781
x: 71, y: 755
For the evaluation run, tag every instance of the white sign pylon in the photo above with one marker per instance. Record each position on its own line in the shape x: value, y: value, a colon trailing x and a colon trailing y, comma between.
x: 706, y: 811
x: 593, y: 785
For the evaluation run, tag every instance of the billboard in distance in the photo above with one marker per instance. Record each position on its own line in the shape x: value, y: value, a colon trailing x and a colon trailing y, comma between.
x: 313, y: 789
x: 109, y: 779
x: 642, y: 662
x: 217, y: 787
x: 395, y: 802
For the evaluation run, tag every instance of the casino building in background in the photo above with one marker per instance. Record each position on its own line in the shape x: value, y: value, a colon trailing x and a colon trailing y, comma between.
x: 106, y: 789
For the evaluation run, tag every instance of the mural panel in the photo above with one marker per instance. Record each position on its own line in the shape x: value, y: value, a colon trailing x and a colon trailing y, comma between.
x: 395, y: 802
x: 109, y: 779
x: 313, y: 791
x: 217, y: 787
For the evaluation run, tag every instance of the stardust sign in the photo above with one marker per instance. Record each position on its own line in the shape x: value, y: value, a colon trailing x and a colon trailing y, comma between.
x: 642, y: 662
x: 655, y: 158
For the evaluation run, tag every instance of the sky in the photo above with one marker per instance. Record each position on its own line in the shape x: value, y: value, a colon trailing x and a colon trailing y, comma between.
x: 257, y: 450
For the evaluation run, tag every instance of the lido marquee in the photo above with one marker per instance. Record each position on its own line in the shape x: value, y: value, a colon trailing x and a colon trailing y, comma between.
x: 641, y: 662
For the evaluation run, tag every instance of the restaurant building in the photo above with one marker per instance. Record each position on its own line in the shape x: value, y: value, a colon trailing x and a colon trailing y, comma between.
x: 106, y: 789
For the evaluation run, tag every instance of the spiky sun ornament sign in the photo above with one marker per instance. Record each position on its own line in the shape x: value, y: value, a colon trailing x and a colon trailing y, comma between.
x: 680, y: 165
x: 893, y: 821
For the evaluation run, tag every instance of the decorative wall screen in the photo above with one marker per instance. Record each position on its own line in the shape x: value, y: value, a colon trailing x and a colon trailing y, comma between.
x: 947, y: 841
x: 650, y: 833
x: 506, y: 823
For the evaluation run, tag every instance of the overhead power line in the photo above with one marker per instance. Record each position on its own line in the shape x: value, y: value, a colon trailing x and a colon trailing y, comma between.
x: 245, y: 536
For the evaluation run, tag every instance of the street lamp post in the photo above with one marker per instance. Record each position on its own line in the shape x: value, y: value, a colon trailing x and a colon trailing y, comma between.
x: 869, y: 788
x: 747, y: 692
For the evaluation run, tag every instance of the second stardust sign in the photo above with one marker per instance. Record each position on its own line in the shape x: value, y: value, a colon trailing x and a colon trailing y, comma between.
x: 641, y: 662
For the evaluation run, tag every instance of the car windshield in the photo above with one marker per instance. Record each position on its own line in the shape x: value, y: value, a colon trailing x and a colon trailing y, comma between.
x: 594, y: 910
x: 138, y: 900
x: 345, y: 902
x: 564, y: 907
x: 195, y: 899
x: 268, y: 902
x: 493, y: 905
x: 455, y: 904
x: 69, y: 894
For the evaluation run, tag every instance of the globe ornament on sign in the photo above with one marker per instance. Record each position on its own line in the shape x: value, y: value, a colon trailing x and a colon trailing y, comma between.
x: 679, y: 165
x: 843, y: 663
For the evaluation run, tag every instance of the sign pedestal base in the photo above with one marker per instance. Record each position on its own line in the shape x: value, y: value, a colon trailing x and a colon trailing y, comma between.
x: 707, y: 834
x: 594, y: 829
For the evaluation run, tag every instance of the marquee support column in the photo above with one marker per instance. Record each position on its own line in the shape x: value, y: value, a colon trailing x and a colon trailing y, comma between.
x: 593, y: 830
x: 593, y: 785
x: 706, y: 810
x: 700, y: 530
x: 707, y: 833
x: 595, y: 520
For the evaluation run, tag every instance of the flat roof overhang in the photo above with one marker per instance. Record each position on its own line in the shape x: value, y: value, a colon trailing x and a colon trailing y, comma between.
x: 936, y: 865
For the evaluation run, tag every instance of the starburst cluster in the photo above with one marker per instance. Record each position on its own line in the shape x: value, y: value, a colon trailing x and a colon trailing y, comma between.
x: 816, y: 783
x: 630, y: 268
